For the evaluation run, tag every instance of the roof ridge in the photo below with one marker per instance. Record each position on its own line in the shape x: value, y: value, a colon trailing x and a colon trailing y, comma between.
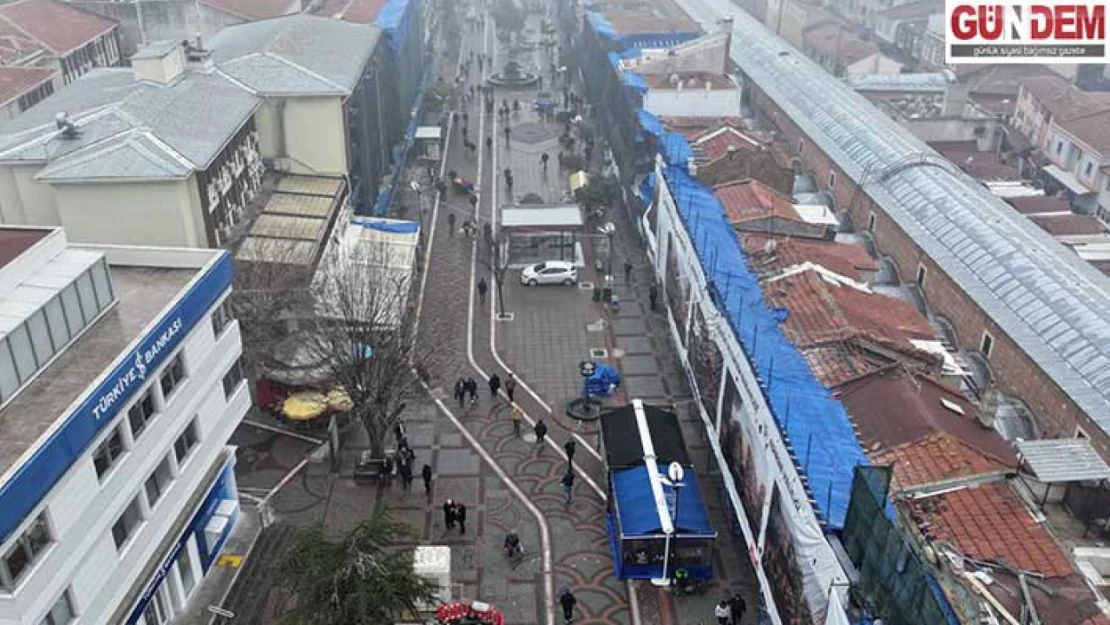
x: 304, y: 69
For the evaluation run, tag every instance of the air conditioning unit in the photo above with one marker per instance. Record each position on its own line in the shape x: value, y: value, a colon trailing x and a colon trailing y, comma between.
x: 213, y: 194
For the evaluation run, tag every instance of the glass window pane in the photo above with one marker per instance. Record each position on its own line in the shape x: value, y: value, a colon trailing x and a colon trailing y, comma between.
x: 102, y: 284
x: 40, y: 337
x: 16, y: 560
x: 25, y: 363
x: 88, y: 297
x: 9, y: 379
x: 185, y: 567
x: 62, y: 613
x: 59, y: 332
x: 72, y: 306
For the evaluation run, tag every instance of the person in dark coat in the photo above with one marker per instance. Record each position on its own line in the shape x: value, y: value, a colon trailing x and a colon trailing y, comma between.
x: 494, y: 385
x: 568, y: 484
x: 460, y: 516
x: 568, y: 602
x: 460, y: 391
x: 426, y: 473
x: 449, y: 513
x: 570, y: 447
x: 405, y: 470
x: 739, y: 606
x: 653, y: 296
x: 472, y: 389
x: 510, y: 387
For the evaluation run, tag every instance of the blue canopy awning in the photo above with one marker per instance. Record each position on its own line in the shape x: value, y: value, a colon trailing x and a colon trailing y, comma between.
x: 637, y: 511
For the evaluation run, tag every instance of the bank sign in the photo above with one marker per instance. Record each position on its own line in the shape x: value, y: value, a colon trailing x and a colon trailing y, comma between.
x: 33, y: 480
x: 1025, y: 32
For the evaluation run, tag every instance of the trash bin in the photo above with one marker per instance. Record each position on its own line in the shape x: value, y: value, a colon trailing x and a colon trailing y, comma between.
x: 615, y: 303
x: 607, y: 294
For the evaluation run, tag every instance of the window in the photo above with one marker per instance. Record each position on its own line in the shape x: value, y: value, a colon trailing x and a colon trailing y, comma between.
x: 141, y: 413
x: 921, y: 275
x: 221, y: 317
x: 871, y: 222
x: 23, y: 553
x: 173, y: 375
x: 127, y: 523
x: 832, y: 181
x: 61, y: 613
x: 20, y: 342
x: 1059, y: 147
x: 185, y: 567
x: 1088, y: 169
x: 72, y: 305
x: 56, y: 319
x: 185, y: 443
x: 102, y: 283
x: 1079, y: 433
x: 232, y: 378
x: 986, y: 344
x: 9, y: 378
x: 87, y: 295
x: 108, y: 452
x: 801, y: 146
x: 40, y: 337
x: 158, y: 481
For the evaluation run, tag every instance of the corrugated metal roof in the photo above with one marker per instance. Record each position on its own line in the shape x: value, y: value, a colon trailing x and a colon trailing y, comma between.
x: 901, y: 83
x: 1051, y: 303
x: 1063, y: 460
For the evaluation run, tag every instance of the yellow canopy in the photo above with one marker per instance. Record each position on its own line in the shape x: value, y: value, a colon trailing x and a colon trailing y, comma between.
x: 578, y: 180
x: 304, y: 406
x: 339, y: 400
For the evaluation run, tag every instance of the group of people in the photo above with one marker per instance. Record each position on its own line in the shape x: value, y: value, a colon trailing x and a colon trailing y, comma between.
x: 730, y: 611
x: 454, y: 514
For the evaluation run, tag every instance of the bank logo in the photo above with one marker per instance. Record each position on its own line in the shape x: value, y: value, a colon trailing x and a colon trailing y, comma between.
x: 1025, y: 32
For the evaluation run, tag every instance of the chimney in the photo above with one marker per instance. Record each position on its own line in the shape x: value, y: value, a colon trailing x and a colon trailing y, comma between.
x: 955, y: 101
x: 197, y: 57
x: 161, y: 62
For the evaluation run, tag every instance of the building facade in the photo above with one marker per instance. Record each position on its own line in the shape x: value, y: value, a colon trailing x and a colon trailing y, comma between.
x: 123, y: 383
x: 55, y: 34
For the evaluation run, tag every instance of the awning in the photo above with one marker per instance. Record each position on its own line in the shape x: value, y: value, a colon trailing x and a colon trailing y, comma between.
x: 1059, y: 460
x: 640, y: 516
x: 1068, y: 179
x: 623, y: 443
x: 428, y: 133
x: 578, y: 180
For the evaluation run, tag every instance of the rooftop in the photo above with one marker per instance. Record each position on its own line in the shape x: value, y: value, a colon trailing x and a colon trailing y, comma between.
x: 937, y: 82
x: 723, y: 140
x: 357, y: 11
x: 694, y: 127
x: 1052, y: 304
x: 769, y: 254
x: 1039, y: 205
x: 839, y: 44
x: 638, y: 18
x: 16, y: 45
x: 936, y: 459
x: 913, y: 10
x: 896, y: 406
x: 255, y: 9
x: 1005, y: 80
x: 296, y: 55
x: 295, y: 220
x: 825, y: 308
x: 689, y: 80
x: 59, y: 27
x: 1085, y: 115
x: 15, y: 241
x: 984, y: 165
x: 143, y: 293
x: 17, y: 81
x: 1069, y: 224
x: 750, y: 200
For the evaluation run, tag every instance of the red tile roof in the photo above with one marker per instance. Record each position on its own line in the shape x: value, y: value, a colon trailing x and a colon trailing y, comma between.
x: 57, y: 26
x: 690, y: 80
x: 356, y: 11
x: 919, y: 10
x: 659, y: 17
x: 717, y: 143
x: 15, y: 45
x: 748, y: 200
x: 839, y: 44
x: 979, y: 164
x: 820, y: 313
x: 989, y: 522
x: 836, y: 363
x: 1038, y: 204
x: 895, y: 407
x: 694, y: 127
x: 1004, y: 80
x: 1068, y: 225
x: 938, y: 457
x: 255, y: 9
x: 846, y: 259
x: 16, y: 81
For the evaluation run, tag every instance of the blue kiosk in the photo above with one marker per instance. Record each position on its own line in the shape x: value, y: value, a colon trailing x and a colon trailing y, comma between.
x: 657, y: 526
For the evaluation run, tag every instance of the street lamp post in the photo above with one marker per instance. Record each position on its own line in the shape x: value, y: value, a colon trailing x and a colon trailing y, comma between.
x: 675, y: 473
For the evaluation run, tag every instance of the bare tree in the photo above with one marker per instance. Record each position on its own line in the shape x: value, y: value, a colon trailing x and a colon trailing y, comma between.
x: 496, y: 259
x: 361, y: 333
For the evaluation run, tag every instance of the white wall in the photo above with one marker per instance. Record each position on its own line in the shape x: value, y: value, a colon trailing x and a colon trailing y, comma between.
x: 82, y: 510
x: 877, y: 63
x: 39, y: 208
x: 315, y: 138
x: 693, y: 102
x: 138, y: 213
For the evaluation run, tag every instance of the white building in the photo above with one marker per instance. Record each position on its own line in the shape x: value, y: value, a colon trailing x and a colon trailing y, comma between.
x: 120, y: 388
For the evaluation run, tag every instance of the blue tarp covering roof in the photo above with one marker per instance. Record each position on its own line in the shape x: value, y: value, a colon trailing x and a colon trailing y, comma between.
x: 639, y: 515
x: 615, y: 60
x: 636, y: 81
x: 399, y: 227
x: 811, y: 420
x: 650, y: 123
x: 676, y: 150
x: 393, y: 19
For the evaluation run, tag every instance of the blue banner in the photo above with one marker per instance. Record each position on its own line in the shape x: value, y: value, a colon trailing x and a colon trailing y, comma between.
x: 35, y: 477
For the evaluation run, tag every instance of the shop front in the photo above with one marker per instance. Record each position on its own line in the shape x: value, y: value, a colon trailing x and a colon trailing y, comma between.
x: 539, y: 233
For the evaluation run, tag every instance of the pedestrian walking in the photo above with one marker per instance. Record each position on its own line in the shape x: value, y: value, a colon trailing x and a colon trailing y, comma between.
x: 426, y: 473
x: 568, y: 602
x: 738, y: 607
x: 489, y: 143
x: 540, y: 429
x: 472, y: 390
x: 510, y: 387
x: 473, y: 199
x: 628, y: 272
x: 570, y: 447
x: 653, y: 296
x: 509, y: 184
x: 494, y: 385
x: 406, y: 475
x: 723, y: 613
x: 568, y: 484
x: 449, y: 514
x: 543, y: 160
x: 518, y: 416
x: 460, y: 391
x: 482, y: 291
x: 460, y: 518
x: 465, y: 130
x: 507, y: 133
x: 450, y: 224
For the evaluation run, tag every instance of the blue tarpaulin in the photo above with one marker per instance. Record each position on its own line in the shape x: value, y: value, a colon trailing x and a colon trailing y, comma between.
x: 676, y: 150
x: 636, y: 81
x: 809, y: 417
x: 399, y: 227
x: 393, y: 19
x: 649, y: 122
x: 603, y: 380
x: 638, y: 514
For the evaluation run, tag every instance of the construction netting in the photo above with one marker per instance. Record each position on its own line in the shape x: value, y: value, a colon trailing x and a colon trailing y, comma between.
x: 899, y: 587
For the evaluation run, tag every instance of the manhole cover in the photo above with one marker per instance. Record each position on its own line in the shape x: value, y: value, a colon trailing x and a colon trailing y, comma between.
x: 599, y: 352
